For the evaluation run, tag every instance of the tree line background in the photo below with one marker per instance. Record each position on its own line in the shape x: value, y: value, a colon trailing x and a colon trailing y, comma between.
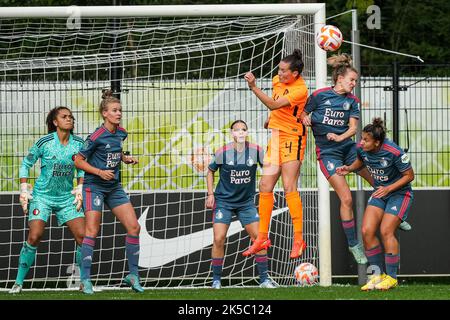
x: 417, y: 28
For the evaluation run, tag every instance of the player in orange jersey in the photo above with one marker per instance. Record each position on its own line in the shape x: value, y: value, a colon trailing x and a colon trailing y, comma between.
x: 285, y: 150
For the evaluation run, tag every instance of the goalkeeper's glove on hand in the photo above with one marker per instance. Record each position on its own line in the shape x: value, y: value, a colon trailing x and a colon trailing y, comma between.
x: 78, y: 193
x: 25, y: 195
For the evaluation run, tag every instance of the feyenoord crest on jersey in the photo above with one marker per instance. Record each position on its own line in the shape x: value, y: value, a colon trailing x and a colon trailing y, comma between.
x: 346, y: 105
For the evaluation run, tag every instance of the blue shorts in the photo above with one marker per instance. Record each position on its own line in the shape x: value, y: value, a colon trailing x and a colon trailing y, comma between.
x: 332, y: 155
x: 41, y: 208
x: 397, y: 203
x: 246, y: 214
x: 94, y: 196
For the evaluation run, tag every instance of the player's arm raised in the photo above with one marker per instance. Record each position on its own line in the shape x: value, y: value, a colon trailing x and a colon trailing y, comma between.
x: 264, y: 98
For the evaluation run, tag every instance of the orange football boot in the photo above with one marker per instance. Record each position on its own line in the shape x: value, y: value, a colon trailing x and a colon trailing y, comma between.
x: 257, y: 246
x: 297, y: 249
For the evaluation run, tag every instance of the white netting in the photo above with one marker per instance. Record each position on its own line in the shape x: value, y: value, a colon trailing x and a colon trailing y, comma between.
x: 181, y: 86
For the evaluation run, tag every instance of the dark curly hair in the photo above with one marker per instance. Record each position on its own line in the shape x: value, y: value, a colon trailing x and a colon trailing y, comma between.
x: 376, y: 129
x: 51, y: 116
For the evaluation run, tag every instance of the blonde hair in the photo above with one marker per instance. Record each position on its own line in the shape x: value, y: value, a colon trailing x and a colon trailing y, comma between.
x: 341, y: 64
x: 107, y: 99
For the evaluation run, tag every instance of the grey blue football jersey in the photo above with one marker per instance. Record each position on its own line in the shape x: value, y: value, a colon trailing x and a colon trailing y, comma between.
x: 103, y: 150
x: 237, y: 170
x: 331, y: 112
x: 386, y: 165
x: 55, y: 181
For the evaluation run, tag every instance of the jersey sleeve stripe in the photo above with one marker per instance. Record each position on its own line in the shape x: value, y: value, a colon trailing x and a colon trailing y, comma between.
x: 254, y: 146
x: 315, y: 93
x: 97, y: 134
x: 391, y: 149
x: 352, y: 96
x: 223, y: 149
x: 44, y: 140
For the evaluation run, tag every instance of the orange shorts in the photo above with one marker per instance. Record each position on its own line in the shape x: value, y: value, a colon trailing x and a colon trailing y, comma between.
x: 284, y: 147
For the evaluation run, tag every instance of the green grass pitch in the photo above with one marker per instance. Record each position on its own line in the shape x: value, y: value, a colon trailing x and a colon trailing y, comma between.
x: 410, y: 291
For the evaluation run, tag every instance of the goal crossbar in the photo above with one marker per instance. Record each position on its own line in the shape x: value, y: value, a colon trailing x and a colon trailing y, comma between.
x: 164, y: 10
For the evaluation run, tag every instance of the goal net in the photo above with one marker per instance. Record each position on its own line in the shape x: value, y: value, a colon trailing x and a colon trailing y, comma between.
x: 180, y: 80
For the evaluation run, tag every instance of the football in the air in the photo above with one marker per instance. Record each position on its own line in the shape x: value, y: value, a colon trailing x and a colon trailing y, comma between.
x: 306, y: 274
x: 329, y: 38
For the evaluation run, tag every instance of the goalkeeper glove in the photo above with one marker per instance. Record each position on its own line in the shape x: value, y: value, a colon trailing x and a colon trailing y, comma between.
x: 25, y: 195
x: 78, y: 193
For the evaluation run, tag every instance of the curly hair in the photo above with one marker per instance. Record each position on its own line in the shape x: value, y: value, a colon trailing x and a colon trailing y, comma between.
x: 51, y: 116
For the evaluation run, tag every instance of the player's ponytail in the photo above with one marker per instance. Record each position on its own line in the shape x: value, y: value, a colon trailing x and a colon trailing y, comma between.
x: 107, y: 99
x: 341, y: 64
x: 376, y: 129
x: 295, y: 61
x: 51, y: 116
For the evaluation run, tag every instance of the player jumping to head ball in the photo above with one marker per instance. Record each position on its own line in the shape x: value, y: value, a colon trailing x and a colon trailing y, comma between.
x: 285, y: 150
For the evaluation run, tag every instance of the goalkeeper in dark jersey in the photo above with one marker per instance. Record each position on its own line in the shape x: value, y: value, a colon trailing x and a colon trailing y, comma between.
x: 54, y: 190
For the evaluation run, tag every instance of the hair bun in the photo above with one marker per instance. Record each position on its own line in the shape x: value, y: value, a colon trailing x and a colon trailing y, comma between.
x: 342, y: 60
x: 378, y: 122
x: 298, y: 54
x: 107, y: 93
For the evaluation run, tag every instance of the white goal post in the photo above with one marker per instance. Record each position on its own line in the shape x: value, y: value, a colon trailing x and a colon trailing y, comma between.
x: 28, y: 65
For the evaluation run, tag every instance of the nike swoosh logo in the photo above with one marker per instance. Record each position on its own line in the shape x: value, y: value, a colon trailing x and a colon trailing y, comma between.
x: 157, y: 252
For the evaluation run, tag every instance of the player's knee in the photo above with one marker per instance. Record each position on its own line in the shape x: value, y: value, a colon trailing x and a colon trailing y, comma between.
x: 79, y: 238
x: 386, y: 233
x: 34, y: 239
x: 289, y: 188
x: 91, y: 231
x: 219, y: 241
x: 134, y: 229
x: 367, y: 232
x: 346, y: 201
x: 265, y: 186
